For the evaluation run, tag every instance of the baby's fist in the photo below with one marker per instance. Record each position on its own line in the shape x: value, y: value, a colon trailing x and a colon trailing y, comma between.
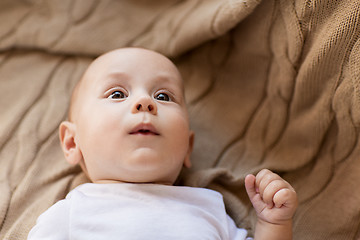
x: 273, y: 198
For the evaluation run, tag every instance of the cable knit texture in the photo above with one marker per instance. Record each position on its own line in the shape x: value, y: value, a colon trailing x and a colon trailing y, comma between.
x: 269, y: 84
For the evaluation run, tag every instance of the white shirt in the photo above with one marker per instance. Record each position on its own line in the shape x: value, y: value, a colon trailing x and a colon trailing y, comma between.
x: 137, y: 211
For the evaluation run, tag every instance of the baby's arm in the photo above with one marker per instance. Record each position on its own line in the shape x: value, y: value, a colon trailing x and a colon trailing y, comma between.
x: 275, y: 202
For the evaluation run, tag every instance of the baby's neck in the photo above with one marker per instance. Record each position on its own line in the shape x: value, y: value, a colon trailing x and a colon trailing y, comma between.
x: 109, y: 181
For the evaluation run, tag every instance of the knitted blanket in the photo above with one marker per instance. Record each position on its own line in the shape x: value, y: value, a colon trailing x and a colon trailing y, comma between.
x: 269, y: 84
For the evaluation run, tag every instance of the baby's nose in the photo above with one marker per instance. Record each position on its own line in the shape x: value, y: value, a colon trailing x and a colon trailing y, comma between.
x: 145, y: 104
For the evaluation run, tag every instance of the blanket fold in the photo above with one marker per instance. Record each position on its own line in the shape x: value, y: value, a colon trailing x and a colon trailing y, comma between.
x: 72, y: 27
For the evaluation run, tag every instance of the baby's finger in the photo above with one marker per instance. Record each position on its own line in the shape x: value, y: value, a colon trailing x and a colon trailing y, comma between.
x: 250, y: 186
x: 285, y: 197
x: 261, y: 175
x: 253, y: 193
x: 271, y: 190
x: 264, y: 178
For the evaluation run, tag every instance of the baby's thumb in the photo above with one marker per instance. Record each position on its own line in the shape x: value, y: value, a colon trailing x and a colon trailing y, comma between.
x: 250, y: 186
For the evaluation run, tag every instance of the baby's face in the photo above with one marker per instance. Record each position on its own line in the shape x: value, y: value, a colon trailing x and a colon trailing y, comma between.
x: 131, y: 119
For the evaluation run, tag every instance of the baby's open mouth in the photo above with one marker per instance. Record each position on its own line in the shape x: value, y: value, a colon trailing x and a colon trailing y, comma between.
x: 144, y: 132
x: 144, y: 129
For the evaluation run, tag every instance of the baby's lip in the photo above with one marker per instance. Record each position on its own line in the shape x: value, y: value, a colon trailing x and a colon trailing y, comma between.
x: 144, y: 129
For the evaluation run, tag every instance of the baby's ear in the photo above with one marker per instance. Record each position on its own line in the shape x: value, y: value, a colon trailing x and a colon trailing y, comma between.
x: 187, y: 161
x: 67, y: 133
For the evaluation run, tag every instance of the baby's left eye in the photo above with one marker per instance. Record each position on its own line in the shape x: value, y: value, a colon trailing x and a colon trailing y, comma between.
x: 163, y: 97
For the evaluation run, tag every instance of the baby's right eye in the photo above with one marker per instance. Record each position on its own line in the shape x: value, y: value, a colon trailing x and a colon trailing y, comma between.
x: 117, y: 95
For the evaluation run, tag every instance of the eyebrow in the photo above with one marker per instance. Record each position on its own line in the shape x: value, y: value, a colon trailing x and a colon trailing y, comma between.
x: 117, y: 75
x: 111, y: 80
x: 114, y: 78
x: 161, y: 77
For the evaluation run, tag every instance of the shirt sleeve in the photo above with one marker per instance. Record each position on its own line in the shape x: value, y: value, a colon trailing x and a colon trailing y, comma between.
x: 236, y: 233
x: 53, y: 224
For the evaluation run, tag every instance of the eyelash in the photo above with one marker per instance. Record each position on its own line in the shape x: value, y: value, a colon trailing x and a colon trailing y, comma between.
x: 115, y: 93
x: 168, y: 97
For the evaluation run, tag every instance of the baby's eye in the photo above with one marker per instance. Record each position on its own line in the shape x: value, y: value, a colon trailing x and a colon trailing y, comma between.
x: 117, y: 95
x: 163, y: 97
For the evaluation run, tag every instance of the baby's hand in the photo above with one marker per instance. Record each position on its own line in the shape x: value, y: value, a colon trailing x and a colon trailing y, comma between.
x: 273, y: 198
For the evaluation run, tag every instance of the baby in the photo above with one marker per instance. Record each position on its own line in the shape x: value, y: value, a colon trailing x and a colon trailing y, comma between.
x: 129, y: 131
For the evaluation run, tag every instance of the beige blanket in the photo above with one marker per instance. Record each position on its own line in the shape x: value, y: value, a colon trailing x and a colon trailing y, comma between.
x: 270, y: 84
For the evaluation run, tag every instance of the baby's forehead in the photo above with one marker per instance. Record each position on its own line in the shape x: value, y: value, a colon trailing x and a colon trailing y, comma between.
x: 129, y: 62
x: 133, y: 57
